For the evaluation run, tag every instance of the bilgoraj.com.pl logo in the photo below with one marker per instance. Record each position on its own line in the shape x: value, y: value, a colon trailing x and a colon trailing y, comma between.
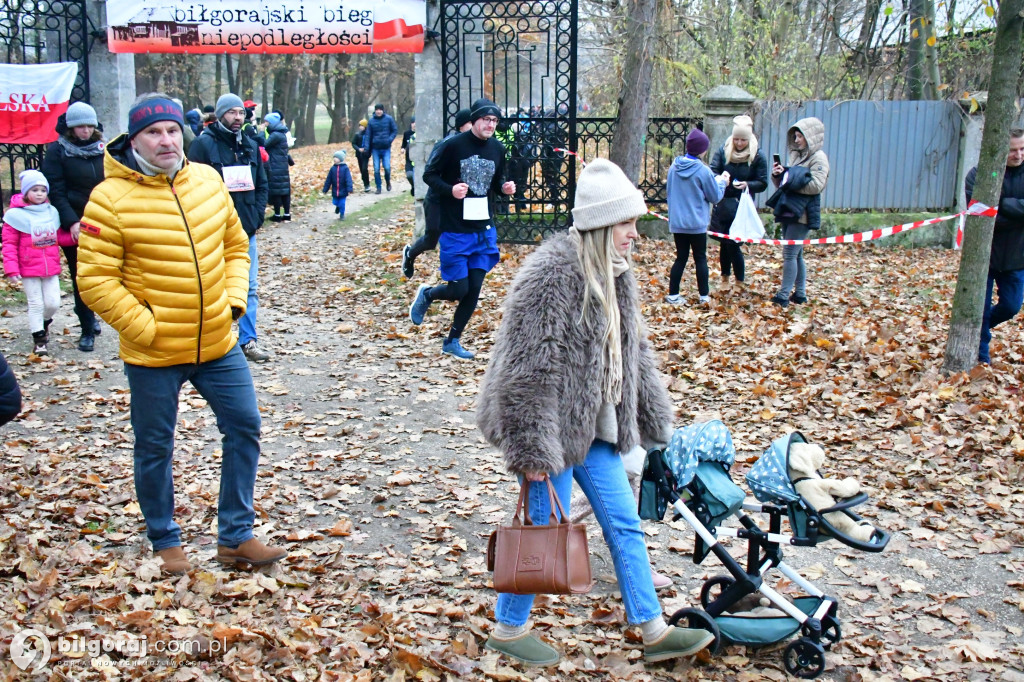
x: 30, y: 650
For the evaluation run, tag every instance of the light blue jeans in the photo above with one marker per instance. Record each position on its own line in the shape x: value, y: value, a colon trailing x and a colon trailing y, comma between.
x: 247, y: 322
x: 226, y: 384
x: 381, y: 157
x: 603, y: 480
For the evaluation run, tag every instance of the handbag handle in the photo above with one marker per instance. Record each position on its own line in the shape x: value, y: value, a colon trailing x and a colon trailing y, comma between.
x: 523, y: 506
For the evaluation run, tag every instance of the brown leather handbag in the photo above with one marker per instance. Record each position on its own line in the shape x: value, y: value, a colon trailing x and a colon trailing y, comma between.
x: 530, y: 559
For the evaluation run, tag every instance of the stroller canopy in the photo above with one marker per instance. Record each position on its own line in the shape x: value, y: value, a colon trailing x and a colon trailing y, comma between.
x: 768, y: 479
x: 699, y: 442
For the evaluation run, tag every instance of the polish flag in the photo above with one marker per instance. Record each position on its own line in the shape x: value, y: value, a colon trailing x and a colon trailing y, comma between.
x: 32, y: 98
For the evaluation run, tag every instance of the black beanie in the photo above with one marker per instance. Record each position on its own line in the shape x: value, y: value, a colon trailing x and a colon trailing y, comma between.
x: 461, y: 118
x: 483, y: 107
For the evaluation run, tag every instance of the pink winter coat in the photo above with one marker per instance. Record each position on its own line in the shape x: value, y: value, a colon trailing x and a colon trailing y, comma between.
x: 24, y: 260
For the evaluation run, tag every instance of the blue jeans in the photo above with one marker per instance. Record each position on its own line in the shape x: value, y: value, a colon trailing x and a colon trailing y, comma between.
x: 794, y: 273
x: 603, y: 480
x: 247, y: 323
x: 1009, y: 284
x: 339, y: 203
x: 226, y: 384
x: 381, y: 156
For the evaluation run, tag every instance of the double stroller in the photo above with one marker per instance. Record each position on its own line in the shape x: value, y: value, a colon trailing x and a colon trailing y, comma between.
x: 692, y: 476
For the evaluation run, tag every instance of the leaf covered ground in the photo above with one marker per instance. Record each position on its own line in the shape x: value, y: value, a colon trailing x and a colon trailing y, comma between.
x: 376, y: 479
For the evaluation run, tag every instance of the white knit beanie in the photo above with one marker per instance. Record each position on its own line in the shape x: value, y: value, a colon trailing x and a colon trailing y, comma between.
x: 743, y: 127
x: 31, y: 178
x: 605, y: 196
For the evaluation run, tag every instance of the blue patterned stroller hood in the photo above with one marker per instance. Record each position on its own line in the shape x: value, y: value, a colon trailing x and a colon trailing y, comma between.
x: 768, y: 479
x: 699, y: 442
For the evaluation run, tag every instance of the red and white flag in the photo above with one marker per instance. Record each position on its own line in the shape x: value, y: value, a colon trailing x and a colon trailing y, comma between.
x: 32, y: 98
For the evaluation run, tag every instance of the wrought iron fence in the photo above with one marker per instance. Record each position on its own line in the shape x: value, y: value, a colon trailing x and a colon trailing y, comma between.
x: 40, y: 32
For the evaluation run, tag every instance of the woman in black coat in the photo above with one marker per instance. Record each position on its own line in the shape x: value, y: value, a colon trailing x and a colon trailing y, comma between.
x: 748, y: 169
x: 278, y: 176
x: 74, y: 166
x: 10, y: 394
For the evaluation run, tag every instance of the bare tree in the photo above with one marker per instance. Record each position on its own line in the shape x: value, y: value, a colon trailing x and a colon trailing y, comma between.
x: 635, y: 89
x: 972, y: 279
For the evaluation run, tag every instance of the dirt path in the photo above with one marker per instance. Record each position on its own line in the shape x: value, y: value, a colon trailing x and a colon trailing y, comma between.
x: 375, y: 476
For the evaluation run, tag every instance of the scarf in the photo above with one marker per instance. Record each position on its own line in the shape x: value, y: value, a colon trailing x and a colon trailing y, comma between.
x: 85, y: 150
x: 228, y: 131
x: 746, y: 156
x: 39, y: 221
x: 149, y: 169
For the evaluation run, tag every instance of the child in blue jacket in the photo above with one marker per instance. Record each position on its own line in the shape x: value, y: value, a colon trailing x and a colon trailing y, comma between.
x: 339, y: 183
x: 692, y: 189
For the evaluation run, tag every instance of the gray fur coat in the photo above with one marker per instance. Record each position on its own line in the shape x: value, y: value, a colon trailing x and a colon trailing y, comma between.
x: 541, y: 394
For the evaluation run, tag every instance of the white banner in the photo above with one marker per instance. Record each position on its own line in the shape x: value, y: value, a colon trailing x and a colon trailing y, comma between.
x: 32, y: 98
x: 286, y: 26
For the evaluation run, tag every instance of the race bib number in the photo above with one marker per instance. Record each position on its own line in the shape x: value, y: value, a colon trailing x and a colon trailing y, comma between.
x: 239, y: 178
x: 475, y: 208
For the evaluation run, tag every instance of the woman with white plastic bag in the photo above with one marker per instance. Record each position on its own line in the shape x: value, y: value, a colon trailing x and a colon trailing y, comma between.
x: 748, y: 168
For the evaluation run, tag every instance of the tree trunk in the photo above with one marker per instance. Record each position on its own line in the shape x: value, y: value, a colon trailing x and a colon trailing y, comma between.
x: 218, y: 80
x: 317, y: 64
x: 972, y: 279
x: 923, y: 68
x: 231, y: 72
x: 634, y: 91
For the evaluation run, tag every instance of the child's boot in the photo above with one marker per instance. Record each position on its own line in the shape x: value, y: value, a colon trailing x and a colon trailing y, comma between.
x: 46, y: 330
x: 39, y: 343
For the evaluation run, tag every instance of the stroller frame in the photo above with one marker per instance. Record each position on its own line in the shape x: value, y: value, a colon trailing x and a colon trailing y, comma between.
x: 817, y: 620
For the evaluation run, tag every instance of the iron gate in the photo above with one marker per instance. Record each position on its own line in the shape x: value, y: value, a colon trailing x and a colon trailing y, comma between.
x: 41, y: 32
x: 521, y: 54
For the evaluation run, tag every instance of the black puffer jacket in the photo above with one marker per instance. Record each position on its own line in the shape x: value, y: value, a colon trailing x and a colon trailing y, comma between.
x: 280, y: 182
x: 72, y: 179
x: 1008, y: 235
x: 754, y: 174
x: 10, y: 394
x: 218, y: 148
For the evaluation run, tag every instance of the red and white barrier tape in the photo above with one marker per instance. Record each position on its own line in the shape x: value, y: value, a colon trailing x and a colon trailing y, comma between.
x: 974, y: 208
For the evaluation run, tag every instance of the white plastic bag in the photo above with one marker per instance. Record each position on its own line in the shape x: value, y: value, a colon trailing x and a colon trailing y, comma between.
x: 747, y: 223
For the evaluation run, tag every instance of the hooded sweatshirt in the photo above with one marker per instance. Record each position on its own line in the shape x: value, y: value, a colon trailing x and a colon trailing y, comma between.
x: 692, y: 188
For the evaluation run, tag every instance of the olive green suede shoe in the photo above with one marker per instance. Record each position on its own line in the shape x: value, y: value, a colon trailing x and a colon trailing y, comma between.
x: 526, y: 648
x: 676, y: 643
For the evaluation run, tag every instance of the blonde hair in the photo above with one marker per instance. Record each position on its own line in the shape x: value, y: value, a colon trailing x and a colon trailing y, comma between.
x: 597, y: 256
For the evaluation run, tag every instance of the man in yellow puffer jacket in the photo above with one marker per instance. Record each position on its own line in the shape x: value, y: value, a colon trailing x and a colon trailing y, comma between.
x: 163, y: 259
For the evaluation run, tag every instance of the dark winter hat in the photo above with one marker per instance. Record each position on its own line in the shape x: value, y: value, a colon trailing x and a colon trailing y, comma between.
x: 378, y: 107
x: 150, y: 111
x: 483, y: 107
x: 80, y: 114
x: 412, y: 119
x: 462, y: 117
x: 228, y: 102
x: 697, y: 142
x: 208, y: 109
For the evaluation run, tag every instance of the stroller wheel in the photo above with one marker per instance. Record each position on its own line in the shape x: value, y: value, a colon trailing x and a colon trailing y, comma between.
x: 830, y: 631
x: 697, y: 619
x: 804, y: 658
x: 713, y: 588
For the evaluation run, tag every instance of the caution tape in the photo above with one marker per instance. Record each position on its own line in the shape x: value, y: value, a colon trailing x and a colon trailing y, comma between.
x: 974, y: 208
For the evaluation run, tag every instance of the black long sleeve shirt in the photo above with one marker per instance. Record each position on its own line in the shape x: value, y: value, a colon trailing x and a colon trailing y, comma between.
x: 465, y: 158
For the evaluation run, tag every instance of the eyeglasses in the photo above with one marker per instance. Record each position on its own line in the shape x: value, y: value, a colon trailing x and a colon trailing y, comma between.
x: 490, y: 120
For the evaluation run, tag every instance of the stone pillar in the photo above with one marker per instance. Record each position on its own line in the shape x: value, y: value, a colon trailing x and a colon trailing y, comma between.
x: 430, y: 114
x: 972, y: 125
x: 111, y: 77
x: 721, y: 104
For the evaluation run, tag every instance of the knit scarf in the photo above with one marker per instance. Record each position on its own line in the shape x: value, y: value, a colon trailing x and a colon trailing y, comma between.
x: 82, y: 151
x: 746, y: 156
x: 149, y: 169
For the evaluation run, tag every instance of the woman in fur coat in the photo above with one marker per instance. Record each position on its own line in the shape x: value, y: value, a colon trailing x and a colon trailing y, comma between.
x: 571, y: 383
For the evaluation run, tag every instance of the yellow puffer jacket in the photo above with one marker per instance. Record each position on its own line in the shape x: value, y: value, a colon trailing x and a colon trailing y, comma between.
x: 163, y: 264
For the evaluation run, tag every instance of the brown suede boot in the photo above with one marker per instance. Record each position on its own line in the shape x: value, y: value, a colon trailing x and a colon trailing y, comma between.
x: 252, y: 552
x: 174, y: 561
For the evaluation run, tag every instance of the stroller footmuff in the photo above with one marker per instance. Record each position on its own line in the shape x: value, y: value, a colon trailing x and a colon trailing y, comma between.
x: 692, y: 476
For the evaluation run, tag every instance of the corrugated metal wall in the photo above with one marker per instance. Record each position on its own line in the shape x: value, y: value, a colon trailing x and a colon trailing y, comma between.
x: 883, y: 154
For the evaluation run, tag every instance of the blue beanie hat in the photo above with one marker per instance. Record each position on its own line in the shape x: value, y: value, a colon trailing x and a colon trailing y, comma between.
x: 273, y: 118
x: 150, y: 111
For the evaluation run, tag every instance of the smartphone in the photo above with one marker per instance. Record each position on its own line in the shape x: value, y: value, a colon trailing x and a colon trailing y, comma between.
x: 777, y: 159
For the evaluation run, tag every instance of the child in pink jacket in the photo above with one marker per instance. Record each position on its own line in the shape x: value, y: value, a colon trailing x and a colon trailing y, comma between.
x: 31, y: 253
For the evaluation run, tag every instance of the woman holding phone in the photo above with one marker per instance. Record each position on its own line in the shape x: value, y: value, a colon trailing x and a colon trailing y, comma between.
x: 748, y: 169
